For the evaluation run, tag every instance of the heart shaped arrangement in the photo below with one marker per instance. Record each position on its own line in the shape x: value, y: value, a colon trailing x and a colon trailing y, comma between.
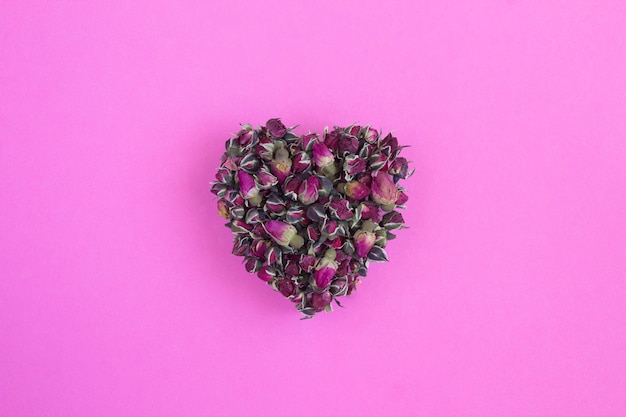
x: 308, y: 213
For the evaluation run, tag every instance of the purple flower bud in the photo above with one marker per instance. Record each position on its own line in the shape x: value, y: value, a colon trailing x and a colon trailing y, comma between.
x: 354, y: 130
x: 258, y: 248
x: 343, y: 269
x: 276, y: 128
x: 281, y: 165
x: 356, y: 190
x: 219, y: 189
x: 371, y: 135
x: 364, y: 241
x: 307, y: 263
x: 402, y: 198
x: 320, y: 301
x: 295, y: 215
x: 348, y: 144
x: 286, y: 287
x: 291, y: 187
x: 241, y: 247
x: 245, y: 136
x: 222, y: 209
x: 341, y: 209
x: 309, y: 190
x: 322, y: 156
x: 384, y: 191
x: 250, y: 163
x: 313, y: 233
x: 390, y: 142
x: 329, y: 229
x: 325, y: 272
x: 308, y: 141
x: 377, y: 161
x: 253, y: 265
x: 292, y: 269
x: 229, y: 163
x: 353, y: 165
x: 224, y: 175
x: 392, y: 221
x: 399, y: 167
x: 266, y: 273
x: 332, y: 139
x: 265, y: 148
x: 265, y: 180
x: 281, y: 233
x: 274, y: 255
x: 246, y: 185
x: 275, y: 204
x: 240, y: 227
x: 301, y: 162
x: 369, y: 211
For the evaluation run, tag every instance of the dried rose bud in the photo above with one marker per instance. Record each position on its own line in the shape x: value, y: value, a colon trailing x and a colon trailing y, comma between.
x: 322, y: 156
x: 341, y: 209
x: 369, y: 211
x: 357, y: 191
x: 308, y: 192
x: 222, y: 209
x: 276, y: 128
x: 253, y: 265
x: 384, y: 191
x: 274, y: 255
x: 320, y: 301
x: 371, y: 135
x: 308, y: 141
x: 286, y: 287
x: 265, y: 180
x: 291, y: 187
x: 258, y: 248
x: 284, y: 234
x: 402, y: 198
x: 275, y: 204
x: 246, y: 135
x: 347, y: 144
x: 292, y: 268
x: 295, y: 215
x: 265, y: 148
x: 332, y: 139
x: 250, y: 163
x: 392, y: 221
x: 364, y: 241
x: 307, y: 263
x: 399, y: 167
x: 301, y: 162
x: 247, y: 186
x: 266, y: 273
x: 325, y: 269
x: 281, y: 164
x: 353, y: 165
x: 377, y: 161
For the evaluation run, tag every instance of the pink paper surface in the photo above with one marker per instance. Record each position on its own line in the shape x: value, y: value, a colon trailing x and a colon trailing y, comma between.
x: 118, y: 292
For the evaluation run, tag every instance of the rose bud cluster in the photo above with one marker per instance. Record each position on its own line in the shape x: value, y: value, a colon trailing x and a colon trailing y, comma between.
x: 309, y: 213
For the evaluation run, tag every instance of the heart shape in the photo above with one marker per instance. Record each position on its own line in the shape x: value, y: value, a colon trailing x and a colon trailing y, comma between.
x: 309, y: 213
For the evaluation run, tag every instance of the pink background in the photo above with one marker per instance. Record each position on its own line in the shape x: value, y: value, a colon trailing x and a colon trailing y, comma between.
x: 118, y: 293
